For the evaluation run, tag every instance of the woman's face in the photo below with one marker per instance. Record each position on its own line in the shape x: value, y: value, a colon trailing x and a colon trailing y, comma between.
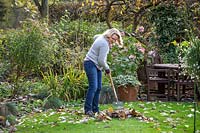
x: 114, y: 38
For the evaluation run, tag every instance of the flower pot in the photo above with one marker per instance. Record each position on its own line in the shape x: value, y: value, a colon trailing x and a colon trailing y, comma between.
x: 127, y: 93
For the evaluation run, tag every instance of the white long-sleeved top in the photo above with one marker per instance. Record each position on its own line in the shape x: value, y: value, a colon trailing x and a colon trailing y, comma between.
x: 98, y: 52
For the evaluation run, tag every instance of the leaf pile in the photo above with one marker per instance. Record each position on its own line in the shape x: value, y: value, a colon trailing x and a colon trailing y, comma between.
x: 121, y: 114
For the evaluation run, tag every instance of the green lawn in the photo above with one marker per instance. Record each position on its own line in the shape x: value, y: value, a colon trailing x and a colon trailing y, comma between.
x: 167, y: 117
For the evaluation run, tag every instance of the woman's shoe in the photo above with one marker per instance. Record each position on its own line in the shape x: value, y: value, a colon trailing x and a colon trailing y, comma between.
x: 90, y: 114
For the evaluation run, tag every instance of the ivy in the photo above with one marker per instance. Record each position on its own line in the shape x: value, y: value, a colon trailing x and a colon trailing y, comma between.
x: 168, y: 22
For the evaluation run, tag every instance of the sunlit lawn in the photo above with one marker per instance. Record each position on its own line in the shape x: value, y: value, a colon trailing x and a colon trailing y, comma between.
x: 167, y: 117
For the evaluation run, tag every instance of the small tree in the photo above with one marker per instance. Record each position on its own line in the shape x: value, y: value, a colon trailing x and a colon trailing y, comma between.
x: 192, y: 58
x: 192, y: 61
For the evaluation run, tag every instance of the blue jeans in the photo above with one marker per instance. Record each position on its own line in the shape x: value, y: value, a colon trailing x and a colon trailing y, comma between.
x: 94, y: 76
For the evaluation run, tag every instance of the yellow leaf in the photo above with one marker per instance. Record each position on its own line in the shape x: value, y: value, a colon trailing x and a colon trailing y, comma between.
x: 18, y: 3
x: 93, y: 3
x: 174, y: 43
x: 185, y: 43
x: 138, y: 3
x: 82, y: 4
x: 110, y: 109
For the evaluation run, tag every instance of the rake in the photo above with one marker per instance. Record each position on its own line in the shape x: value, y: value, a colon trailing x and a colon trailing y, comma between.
x: 118, y: 104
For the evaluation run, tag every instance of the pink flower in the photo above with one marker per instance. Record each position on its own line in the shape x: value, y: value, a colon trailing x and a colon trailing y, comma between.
x: 141, y: 29
x: 132, y: 57
x: 141, y: 49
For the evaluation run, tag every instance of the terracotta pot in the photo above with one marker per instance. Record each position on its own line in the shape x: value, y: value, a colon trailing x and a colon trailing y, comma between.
x: 127, y: 93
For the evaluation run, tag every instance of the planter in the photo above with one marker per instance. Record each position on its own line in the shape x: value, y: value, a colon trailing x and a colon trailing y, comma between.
x: 127, y: 93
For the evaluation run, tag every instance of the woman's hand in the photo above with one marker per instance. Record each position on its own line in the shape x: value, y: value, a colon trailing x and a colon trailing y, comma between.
x: 107, y: 71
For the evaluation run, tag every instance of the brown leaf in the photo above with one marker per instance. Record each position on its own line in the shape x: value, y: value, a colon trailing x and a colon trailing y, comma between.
x: 102, y: 117
x: 122, y: 115
x: 135, y: 114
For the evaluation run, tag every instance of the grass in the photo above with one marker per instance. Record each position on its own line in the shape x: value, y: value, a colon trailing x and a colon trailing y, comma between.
x: 168, y: 117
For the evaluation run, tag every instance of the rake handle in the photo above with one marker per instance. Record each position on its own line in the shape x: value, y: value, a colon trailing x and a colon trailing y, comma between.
x: 113, y: 87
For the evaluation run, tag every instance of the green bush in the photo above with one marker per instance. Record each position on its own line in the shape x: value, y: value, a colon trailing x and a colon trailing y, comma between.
x: 192, y: 58
x: 74, y: 84
x: 33, y: 87
x: 75, y: 37
x: 51, y: 80
x: 53, y: 103
x: 5, y: 89
x: 125, y: 61
x: 30, y: 48
x: 169, y: 24
x: 124, y: 80
x: 5, y: 70
x: 69, y: 86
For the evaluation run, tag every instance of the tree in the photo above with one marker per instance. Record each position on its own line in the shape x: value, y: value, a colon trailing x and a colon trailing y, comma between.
x: 28, y: 6
x: 43, y: 7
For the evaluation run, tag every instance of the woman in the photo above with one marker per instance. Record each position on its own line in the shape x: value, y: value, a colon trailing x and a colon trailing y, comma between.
x: 96, y: 61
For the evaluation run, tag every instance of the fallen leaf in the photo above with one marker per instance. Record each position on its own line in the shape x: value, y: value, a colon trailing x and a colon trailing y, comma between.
x: 164, y: 114
x: 52, y: 113
x: 153, y: 108
x: 145, y: 112
x: 190, y: 115
x: 141, y: 105
x: 186, y: 126
x: 169, y: 119
x: 110, y: 110
x: 172, y: 111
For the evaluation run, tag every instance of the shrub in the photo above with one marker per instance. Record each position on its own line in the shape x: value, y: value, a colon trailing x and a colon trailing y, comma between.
x: 125, y: 61
x: 68, y: 87
x: 169, y: 24
x: 28, y: 49
x: 73, y: 83
x: 192, y: 58
x: 74, y: 39
x: 5, y: 89
x: 53, y: 103
x: 124, y: 80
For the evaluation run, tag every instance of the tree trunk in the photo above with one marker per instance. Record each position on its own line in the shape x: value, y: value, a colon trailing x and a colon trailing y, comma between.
x: 43, y: 8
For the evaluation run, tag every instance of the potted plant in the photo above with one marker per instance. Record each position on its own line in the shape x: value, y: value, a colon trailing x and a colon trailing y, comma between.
x: 127, y: 87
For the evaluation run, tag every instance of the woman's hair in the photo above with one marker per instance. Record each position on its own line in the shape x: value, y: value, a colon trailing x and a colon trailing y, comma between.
x: 108, y: 33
